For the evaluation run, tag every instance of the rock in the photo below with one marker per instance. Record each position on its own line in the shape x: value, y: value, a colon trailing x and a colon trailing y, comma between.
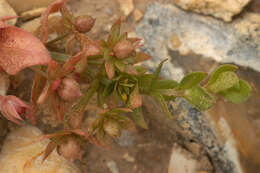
x: 32, y: 13
x: 31, y: 25
x: 237, y: 42
x: 126, y: 139
x: 126, y: 6
x: 128, y: 158
x: 112, y: 166
x: 4, y: 83
x: 27, y: 5
x: 138, y: 15
x: 183, y: 161
x: 22, y: 152
x: 7, y: 10
x: 176, y: 35
x: 223, y: 9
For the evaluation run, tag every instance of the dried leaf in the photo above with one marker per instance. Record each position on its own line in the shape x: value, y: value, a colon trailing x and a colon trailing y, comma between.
x: 50, y: 147
x: 20, y: 49
x: 53, y: 7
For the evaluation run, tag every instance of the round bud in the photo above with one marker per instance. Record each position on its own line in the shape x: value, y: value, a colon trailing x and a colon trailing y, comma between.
x: 70, y: 149
x: 112, y: 129
x: 84, y: 23
x: 123, y: 49
x: 69, y: 89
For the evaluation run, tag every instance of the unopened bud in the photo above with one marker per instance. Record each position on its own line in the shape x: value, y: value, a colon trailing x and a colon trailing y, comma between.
x: 123, y: 49
x: 69, y: 89
x: 84, y: 23
x: 12, y: 108
x: 70, y: 149
x: 112, y: 129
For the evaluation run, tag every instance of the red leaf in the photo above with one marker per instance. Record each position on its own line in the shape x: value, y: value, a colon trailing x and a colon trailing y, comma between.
x: 50, y: 147
x: 53, y: 7
x: 110, y: 69
x: 141, y: 57
x: 69, y: 66
x: 20, y: 49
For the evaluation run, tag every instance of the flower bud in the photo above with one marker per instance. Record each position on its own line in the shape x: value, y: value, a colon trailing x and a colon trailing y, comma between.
x: 12, y: 108
x: 69, y: 89
x: 123, y: 49
x: 70, y: 149
x: 84, y: 23
x: 112, y: 129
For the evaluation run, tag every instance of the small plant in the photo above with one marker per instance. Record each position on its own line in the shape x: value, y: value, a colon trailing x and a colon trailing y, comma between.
x: 109, y: 68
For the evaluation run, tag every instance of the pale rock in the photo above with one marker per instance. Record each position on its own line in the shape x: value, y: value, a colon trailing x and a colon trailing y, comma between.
x: 32, y: 13
x: 22, y: 153
x: 31, y: 25
x: 182, y: 161
x: 138, y: 15
x: 27, y: 5
x: 112, y: 166
x: 223, y: 9
x: 7, y: 10
x: 4, y: 83
x: 128, y: 157
x: 126, y: 6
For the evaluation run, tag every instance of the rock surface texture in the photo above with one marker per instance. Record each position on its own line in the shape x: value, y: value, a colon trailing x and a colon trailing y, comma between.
x: 166, y: 28
x: 223, y: 9
x: 21, y: 154
x: 237, y: 42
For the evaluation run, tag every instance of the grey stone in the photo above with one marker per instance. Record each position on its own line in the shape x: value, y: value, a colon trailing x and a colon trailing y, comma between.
x: 236, y: 42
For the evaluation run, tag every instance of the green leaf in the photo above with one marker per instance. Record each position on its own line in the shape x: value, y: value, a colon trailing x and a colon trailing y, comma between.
x: 156, y: 74
x: 159, y: 97
x: 109, y: 89
x: 238, y: 93
x: 120, y: 110
x: 135, y: 99
x: 219, y: 70
x: 138, y: 117
x: 165, y: 84
x: 224, y: 81
x: 120, y: 65
x: 59, y: 56
x: 191, y: 80
x: 114, y: 33
x: 200, y: 98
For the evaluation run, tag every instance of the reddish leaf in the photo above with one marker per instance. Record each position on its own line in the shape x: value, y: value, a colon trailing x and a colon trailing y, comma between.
x: 69, y: 66
x: 110, y: 69
x: 50, y: 147
x: 53, y: 7
x: 141, y: 57
x: 54, y: 70
x: 4, y: 19
x: 20, y: 49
